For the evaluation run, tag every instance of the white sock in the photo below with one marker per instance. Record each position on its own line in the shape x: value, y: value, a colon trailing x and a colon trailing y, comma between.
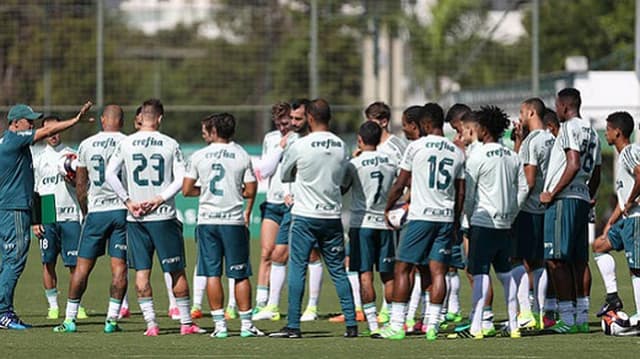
x: 370, y: 314
x: 113, y: 311
x: 384, y: 305
x: 354, y: 280
x: 445, y: 303
x: 454, y: 296
x: 635, y: 283
x: 509, y: 285
x: 276, y: 279
x: 567, y: 312
x: 199, y: 286
x: 183, y: 308
x: 414, y: 301
x: 539, y: 289
x: 607, y: 266
x: 582, y: 310
x: 551, y: 304
x: 168, y: 282
x: 72, y: 309
x: 125, y: 300
x: 232, y: 292
x: 480, y: 291
x: 149, y: 314
x: 315, y: 283
x: 52, y: 297
x: 398, y: 315
x: 262, y: 295
x: 218, y: 319
x: 521, y: 278
x: 433, y: 316
x: 245, y: 320
x: 425, y: 309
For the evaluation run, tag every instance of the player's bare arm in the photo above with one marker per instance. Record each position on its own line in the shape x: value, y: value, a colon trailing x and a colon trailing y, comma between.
x: 570, y: 171
x: 82, y: 188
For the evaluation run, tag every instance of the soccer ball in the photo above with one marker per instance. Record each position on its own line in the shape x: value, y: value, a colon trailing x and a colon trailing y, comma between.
x: 398, y: 215
x: 615, y: 323
x: 67, y: 166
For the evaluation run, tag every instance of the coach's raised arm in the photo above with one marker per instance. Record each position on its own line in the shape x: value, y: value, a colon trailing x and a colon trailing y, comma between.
x: 53, y: 127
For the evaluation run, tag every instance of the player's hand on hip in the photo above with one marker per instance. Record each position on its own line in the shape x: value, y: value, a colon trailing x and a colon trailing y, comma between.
x: 38, y: 230
x: 288, y: 200
x: 247, y: 218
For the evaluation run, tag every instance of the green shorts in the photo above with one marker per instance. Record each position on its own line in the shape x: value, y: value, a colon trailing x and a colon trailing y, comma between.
x: 625, y: 234
x: 272, y: 211
x: 566, y: 235
x: 223, y: 243
x: 60, y: 238
x: 165, y: 237
x: 283, y: 232
x: 424, y: 241
x: 489, y: 246
x: 458, y: 259
x: 102, y: 229
x: 529, y: 233
x: 371, y: 247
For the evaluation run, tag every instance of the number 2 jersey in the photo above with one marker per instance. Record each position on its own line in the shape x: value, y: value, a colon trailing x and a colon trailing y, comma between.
x: 48, y: 180
x: 222, y: 169
x: 435, y: 163
x: 94, y: 153
x: 150, y: 161
x: 575, y: 134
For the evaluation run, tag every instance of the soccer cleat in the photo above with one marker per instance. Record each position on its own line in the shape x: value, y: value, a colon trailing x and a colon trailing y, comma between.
x: 370, y: 333
x: 432, y: 334
x: 310, y: 314
x: 393, y: 334
x: 337, y: 319
x: 548, y: 320
x: 612, y: 302
x: 196, y: 313
x: 152, y: 332
x: 10, y: 320
x: 419, y: 327
x: 68, y: 326
x: 583, y: 328
x: 269, y: 312
x: 464, y: 332
x: 251, y: 332
x: 488, y: 329
x: 219, y: 333
x: 124, y: 313
x: 513, y: 334
x: 231, y: 313
x: 453, y: 317
x: 53, y: 313
x: 286, y: 332
x: 360, y: 317
x: 383, y: 316
x: 174, y: 313
x: 82, y: 313
x: 351, y: 332
x: 527, y: 321
x: 561, y: 328
x: 186, y: 329
x: 111, y: 326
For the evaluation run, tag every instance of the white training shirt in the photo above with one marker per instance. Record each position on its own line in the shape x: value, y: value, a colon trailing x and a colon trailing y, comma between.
x: 575, y: 134
x: 535, y: 151
x: 435, y: 164
x: 48, y: 181
x: 317, y: 164
x: 370, y: 176
x: 628, y: 160
x: 276, y: 191
x: 394, y: 147
x: 94, y: 153
x: 222, y: 169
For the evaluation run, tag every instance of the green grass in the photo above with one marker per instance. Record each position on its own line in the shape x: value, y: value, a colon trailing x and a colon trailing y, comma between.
x: 321, y: 338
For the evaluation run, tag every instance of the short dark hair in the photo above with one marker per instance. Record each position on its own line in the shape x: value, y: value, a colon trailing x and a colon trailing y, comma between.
x: 370, y: 133
x: 280, y: 109
x: 207, y: 122
x: 434, y: 114
x: 414, y: 114
x: 471, y: 116
x: 297, y: 103
x: 570, y: 97
x: 320, y: 111
x: 537, y: 105
x: 50, y: 118
x: 494, y: 120
x: 378, y: 110
x: 550, y: 118
x: 153, y: 107
x: 224, y: 123
x: 138, y: 110
x: 622, y: 121
x: 457, y: 111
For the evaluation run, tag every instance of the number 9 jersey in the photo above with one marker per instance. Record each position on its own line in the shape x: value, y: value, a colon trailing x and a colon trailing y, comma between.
x: 94, y: 153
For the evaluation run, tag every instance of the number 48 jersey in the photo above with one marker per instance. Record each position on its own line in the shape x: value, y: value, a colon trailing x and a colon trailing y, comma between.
x: 435, y: 163
x: 94, y: 153
x: 222, y: 169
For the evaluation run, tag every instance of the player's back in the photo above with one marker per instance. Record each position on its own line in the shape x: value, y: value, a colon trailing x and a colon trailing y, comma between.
x: 535, y: 150
x: 371, y: 175
x: 222, y: 169
x: 394, y: 147
x: 94, y: 153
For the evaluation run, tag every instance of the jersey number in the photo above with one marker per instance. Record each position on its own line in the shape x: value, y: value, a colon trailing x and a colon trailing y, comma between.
x: 99, y: 167
x: 216, y: 167
x: 443, y: 174
x: 142, y: 165
x: 587, y: 149
x: 380, y: 177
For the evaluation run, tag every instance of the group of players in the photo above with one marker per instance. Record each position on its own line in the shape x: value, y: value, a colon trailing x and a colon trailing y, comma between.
x: 471, y: 203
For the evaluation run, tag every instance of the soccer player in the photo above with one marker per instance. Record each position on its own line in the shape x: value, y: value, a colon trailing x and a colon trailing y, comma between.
x: 317, y: 164
x: 104, y: 224
x: 436, y: 204
x: 153, y: 167
x: 551, y: 122
x: 496, y: 188
x: 272, y: 210
x: 572, y: 178
x: 621, y: 230
x: 226, y: 176
x: 369, y: 176
x: 528, y: 249
x: 16, y: 199
x: 61, y: 237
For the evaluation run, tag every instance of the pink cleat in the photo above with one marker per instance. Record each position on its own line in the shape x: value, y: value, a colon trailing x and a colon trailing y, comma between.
x: 187, y: 329
x: 174, y: 313
x: 152, y: 332
x: 124, y: 313
x: 419, y: 327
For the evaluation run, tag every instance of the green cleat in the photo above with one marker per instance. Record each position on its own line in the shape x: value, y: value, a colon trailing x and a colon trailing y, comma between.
x: 220, y: 333
x: 432, y: 334
x: 527, y: 321
x: 410, y: 324
x: 68, y: 326
x: 371, y: 333
x: 383, y: 316
x: 111, y: 326
x: 53, y: 313
x: 583, y: 328
x: 561, y: 328
x: 392, y: 334
x: 489, y: 332
x: 231, y: 313
x: 453, y: 317
x: 82, y: 313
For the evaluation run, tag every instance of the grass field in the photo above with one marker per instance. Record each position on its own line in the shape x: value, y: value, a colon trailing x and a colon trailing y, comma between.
x: 321, y: 338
